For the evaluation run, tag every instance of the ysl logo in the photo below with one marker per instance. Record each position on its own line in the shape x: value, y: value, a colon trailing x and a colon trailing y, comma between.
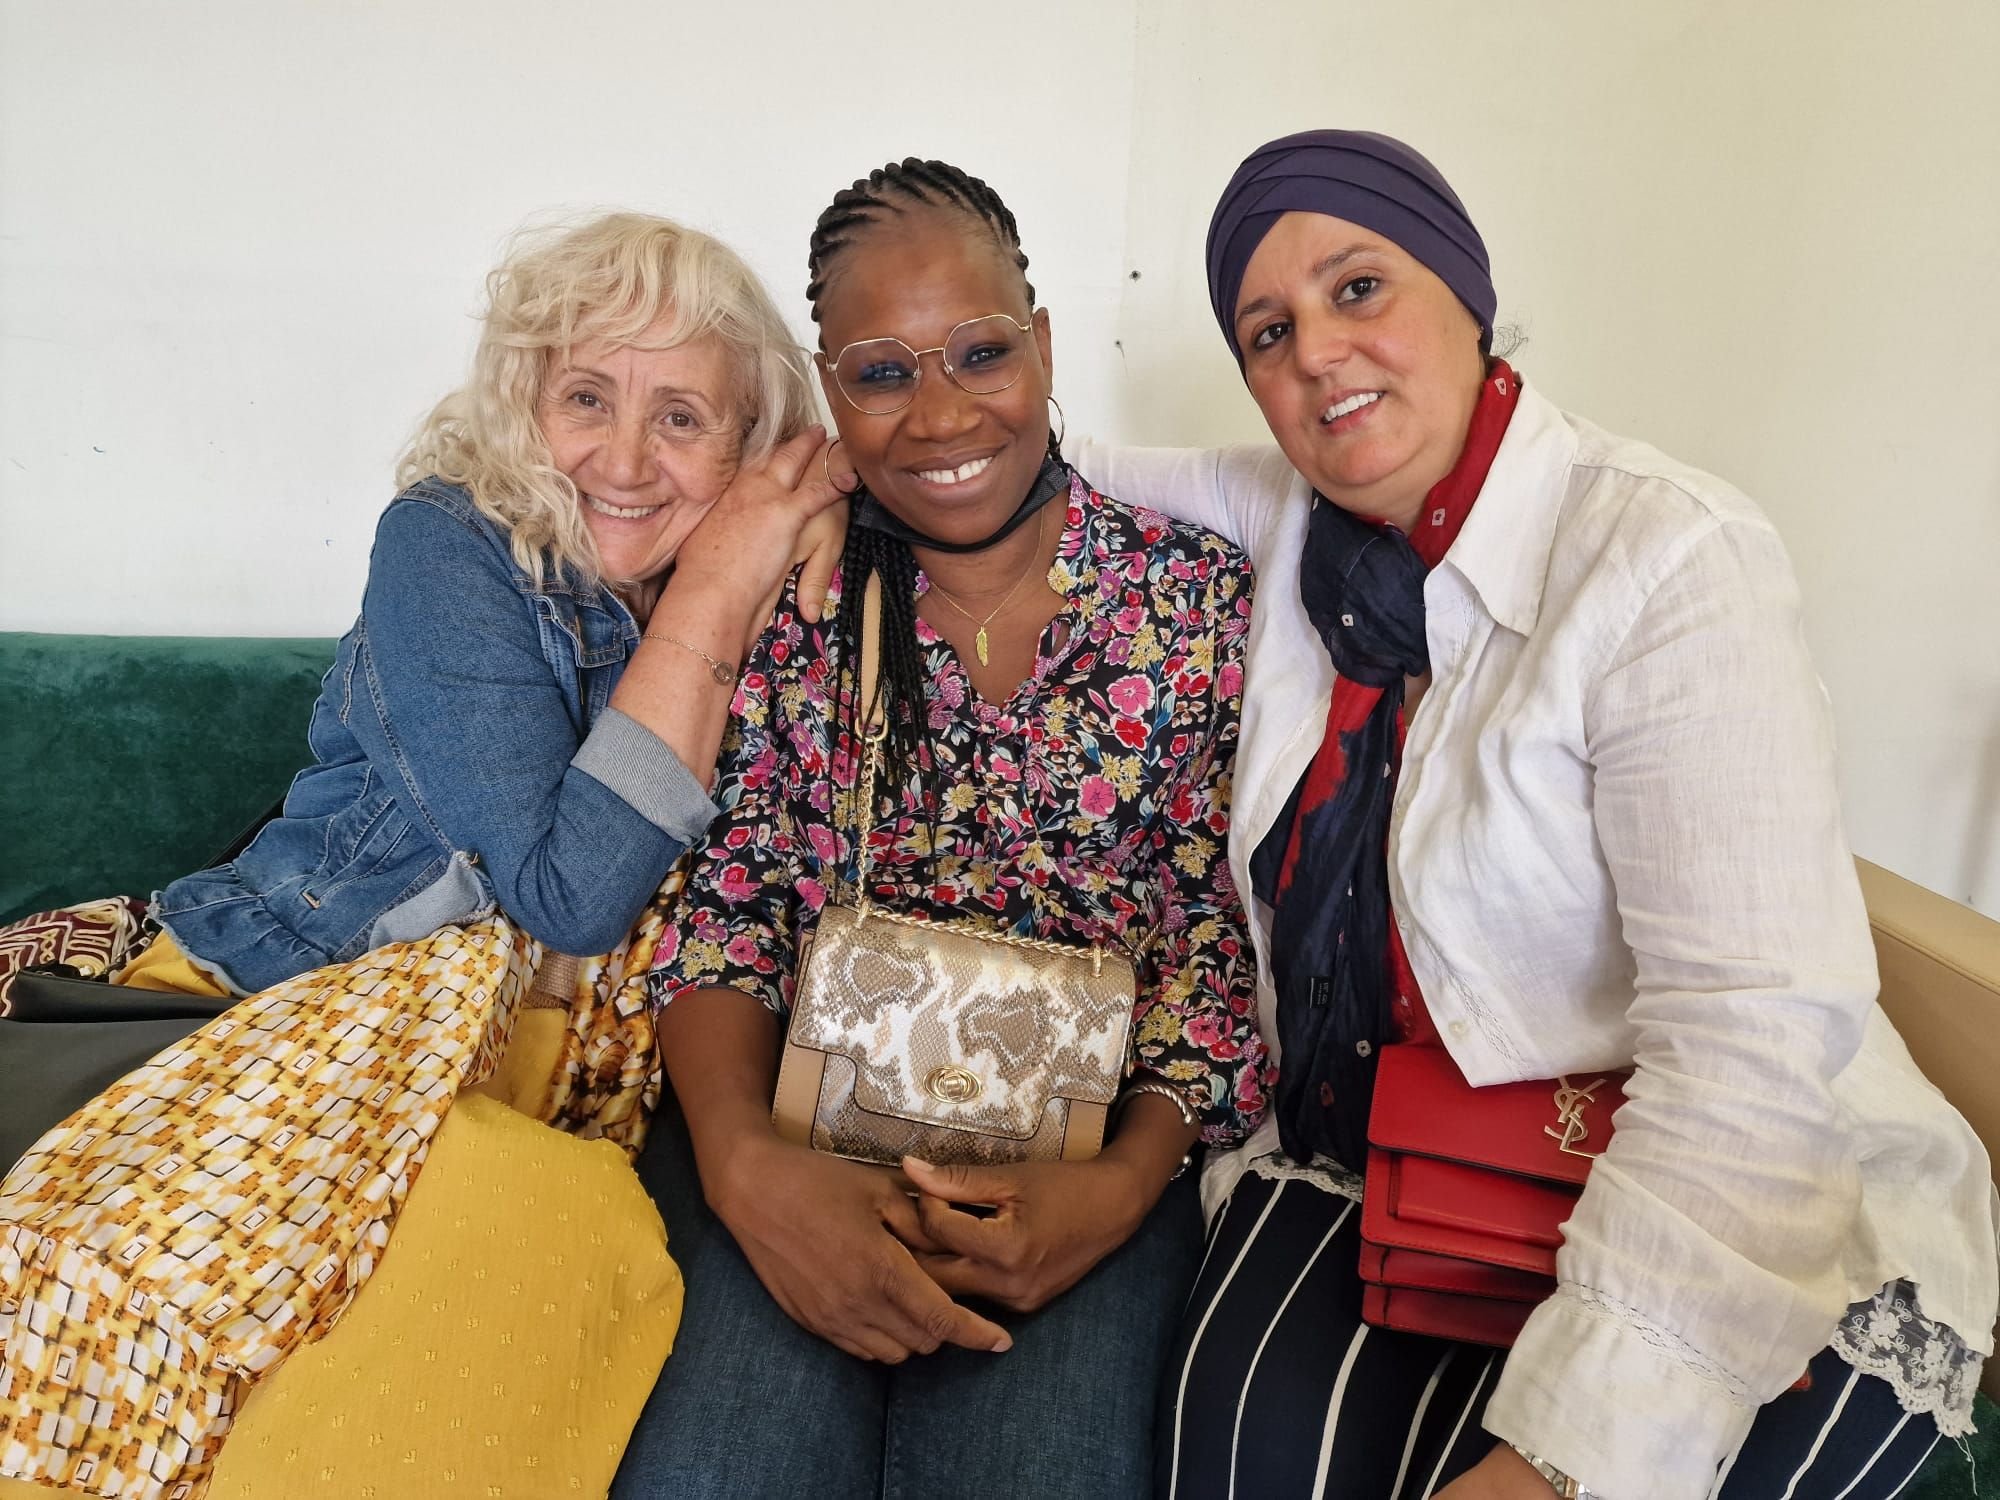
x: 1569, y: 1129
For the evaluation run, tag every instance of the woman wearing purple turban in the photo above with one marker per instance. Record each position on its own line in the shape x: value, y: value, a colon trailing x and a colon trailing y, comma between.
x: 1609, y: 841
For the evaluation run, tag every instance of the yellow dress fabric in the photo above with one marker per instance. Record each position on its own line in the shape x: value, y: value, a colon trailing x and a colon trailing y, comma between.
x: 507, y: 1334
x: 526, y: 1076
x: 503, y: 1347
x: 162, y: 966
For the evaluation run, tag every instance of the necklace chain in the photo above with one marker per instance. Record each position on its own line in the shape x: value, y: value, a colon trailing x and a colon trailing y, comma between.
x: 979, y: 642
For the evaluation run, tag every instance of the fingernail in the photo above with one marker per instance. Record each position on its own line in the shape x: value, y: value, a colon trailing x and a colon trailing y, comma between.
x: 1004, y: 1345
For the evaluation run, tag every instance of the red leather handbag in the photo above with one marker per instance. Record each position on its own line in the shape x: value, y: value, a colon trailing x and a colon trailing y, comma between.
x: 1467, y: 1191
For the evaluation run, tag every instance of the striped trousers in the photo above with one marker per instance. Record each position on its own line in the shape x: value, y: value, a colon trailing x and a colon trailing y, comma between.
x: 1276, y: 1390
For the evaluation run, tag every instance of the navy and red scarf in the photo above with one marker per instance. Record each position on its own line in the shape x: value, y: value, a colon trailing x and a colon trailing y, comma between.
x: 1324, y: 867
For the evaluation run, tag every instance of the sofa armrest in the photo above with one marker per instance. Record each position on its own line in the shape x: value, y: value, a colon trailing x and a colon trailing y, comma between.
x: 1940, y: 964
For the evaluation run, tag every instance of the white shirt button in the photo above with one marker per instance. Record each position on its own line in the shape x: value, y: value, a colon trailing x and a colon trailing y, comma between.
x: 1458, y: 1029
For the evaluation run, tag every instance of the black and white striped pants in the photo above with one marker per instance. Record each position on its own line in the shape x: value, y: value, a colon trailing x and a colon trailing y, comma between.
x: 1276, y: 1389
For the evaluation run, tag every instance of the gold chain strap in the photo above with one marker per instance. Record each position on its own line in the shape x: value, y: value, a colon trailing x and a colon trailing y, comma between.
x: 875, y: 730
x: 861, y: 805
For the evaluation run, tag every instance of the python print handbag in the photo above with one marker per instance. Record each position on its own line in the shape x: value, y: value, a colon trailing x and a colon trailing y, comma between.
x: 946, y: 1040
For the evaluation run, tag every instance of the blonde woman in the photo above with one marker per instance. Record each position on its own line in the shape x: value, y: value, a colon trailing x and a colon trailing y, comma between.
x: 527, y: 711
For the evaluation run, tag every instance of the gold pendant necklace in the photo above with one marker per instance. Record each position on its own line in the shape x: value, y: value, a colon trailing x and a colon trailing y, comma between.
x: 979, y: 640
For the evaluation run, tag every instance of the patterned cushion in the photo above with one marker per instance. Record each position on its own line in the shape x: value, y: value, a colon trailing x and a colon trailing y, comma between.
x: 93, y: 938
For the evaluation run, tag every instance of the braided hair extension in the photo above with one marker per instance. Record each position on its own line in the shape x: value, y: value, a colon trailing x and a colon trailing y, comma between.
x: 903, y: 676
x: 894, y: 189
x: 935, y: 184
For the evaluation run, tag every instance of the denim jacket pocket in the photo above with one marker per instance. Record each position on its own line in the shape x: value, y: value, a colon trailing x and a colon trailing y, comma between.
x: 586, y: 645
x: 362, y: 839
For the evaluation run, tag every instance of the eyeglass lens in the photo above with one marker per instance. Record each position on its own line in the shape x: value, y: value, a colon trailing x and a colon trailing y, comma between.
x: 983, y: 356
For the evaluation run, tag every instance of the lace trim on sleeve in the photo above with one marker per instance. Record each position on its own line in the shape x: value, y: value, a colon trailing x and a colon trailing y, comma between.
x: 1933, y: 1372
x: 1323, y: 1172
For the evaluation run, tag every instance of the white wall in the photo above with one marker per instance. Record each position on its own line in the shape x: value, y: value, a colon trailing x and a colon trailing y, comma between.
x: 240, y: 243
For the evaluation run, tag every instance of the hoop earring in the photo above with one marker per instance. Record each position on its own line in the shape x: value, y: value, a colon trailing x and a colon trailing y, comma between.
x: 826, y: 468
x: 1056, y: 437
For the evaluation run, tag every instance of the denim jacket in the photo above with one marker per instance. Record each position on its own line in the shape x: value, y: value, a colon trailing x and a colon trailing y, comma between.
x: 464, y: 757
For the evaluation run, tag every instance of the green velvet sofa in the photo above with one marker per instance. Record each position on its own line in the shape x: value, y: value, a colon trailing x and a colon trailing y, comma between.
x: 128, y: 760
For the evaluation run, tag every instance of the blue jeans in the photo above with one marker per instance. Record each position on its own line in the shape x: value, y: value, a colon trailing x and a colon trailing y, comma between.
x: 750, y: 1404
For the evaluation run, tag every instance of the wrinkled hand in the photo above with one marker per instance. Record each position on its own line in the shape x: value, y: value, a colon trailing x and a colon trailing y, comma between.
x: 1053, y: 1222
x: 1502, y: 1475
x: 830, y: 1240
x: 750, y: 540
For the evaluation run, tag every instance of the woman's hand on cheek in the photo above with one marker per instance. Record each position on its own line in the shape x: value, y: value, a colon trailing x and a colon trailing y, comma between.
x: 830, y: 1241
x: 748, y: 543
x: 1502, y: 1475
x: 1052, y: 1222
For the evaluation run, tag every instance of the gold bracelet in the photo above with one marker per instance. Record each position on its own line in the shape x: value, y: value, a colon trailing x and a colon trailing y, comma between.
x: 723, y: 672
x: 1166, y: 1091
x: 1176, y: 1097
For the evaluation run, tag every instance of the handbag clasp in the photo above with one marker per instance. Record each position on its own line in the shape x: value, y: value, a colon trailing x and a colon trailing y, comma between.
x: 952, y: 1084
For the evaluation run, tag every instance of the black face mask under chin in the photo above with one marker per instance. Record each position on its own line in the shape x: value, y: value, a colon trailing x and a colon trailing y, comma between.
x: 1051, y: 482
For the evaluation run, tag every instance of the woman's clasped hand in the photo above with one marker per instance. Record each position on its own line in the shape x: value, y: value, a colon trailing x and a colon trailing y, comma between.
x: 838, y: 1244
x: 1041, y: 1225
x: 872, y: 1267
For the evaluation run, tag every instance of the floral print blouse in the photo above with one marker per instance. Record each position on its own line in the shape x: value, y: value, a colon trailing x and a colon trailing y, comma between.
x: 1092, y: 806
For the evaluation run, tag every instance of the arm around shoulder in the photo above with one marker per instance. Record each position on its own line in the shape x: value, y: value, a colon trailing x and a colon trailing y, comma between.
x: 1233, y: 492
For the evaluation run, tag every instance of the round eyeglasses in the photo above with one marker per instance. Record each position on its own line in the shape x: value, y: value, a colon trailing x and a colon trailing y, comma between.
x: 981, y: 356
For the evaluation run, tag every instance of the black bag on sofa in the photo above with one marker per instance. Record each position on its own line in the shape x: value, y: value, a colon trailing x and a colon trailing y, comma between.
x: 67, y: 1040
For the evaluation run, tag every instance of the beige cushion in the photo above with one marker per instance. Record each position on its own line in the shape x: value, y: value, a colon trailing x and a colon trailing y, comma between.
x: 503, y: 1347
x: 1940, y: 965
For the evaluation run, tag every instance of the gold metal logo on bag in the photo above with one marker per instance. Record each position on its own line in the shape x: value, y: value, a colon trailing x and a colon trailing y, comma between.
x: 1569, y: 1129
x: 952, y: 1084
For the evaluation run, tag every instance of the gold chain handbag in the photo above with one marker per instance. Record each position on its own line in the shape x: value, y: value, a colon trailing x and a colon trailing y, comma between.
x: 945, y: 1040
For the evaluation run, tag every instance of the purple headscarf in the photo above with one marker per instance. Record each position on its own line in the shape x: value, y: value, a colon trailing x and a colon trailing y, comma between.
x: 1364, y: 178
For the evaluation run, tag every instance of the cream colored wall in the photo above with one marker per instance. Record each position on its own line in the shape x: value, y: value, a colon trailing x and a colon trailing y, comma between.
x: 239, y: 244
x: 1765, y: 237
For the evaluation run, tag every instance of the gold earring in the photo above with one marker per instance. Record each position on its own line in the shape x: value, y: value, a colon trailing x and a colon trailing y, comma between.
x: 826, y: 468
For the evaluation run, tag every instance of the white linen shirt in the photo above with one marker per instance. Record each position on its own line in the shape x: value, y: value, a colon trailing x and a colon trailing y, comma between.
x: 1616, y: 843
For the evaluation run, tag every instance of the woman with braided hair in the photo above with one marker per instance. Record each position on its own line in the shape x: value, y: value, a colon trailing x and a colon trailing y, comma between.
x: 1061, y: 676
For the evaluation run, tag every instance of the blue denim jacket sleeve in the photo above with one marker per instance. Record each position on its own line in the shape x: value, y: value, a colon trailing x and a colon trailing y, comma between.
x: 575, y: 829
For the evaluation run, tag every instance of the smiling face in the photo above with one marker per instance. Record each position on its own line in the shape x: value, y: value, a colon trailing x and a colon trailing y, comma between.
x: 1365, y: 365
x: 951, y: 464
x: 649, y: 437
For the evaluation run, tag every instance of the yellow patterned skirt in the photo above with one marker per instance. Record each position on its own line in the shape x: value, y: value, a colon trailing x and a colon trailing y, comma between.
x: 185, y: 1259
